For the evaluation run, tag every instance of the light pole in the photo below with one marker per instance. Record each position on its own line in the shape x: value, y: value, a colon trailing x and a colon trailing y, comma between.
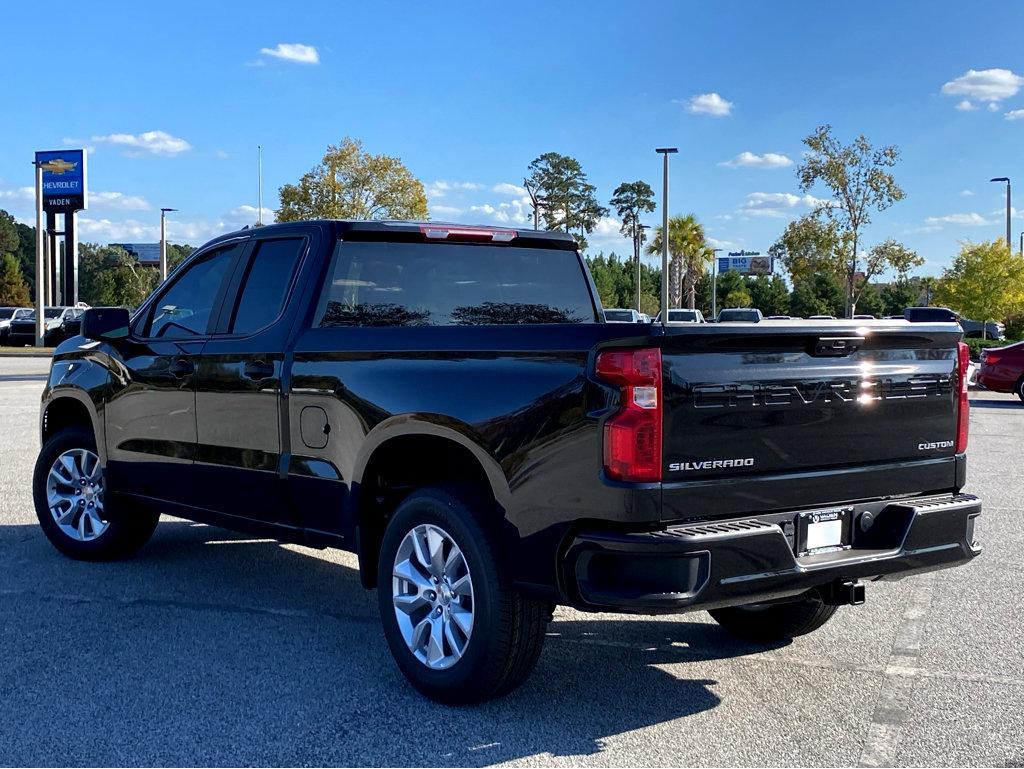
x: 714, y: 282
x: 163, y: 242
x: 1009, y: 235
x: 640, y: 238
x: 259, y: 198
x: 664, y: 152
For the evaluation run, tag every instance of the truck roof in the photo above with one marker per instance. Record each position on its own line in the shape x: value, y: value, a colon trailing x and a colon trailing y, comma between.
x: 389, y: 229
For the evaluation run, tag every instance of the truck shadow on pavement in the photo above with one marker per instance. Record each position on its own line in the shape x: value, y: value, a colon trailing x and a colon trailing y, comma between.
x: 208, y: 648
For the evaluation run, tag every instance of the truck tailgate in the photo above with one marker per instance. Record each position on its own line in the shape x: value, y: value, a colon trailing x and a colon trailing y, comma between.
x: 788, y: 398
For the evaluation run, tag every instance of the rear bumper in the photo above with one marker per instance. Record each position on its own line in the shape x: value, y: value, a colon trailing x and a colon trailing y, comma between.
x: 750, y: 560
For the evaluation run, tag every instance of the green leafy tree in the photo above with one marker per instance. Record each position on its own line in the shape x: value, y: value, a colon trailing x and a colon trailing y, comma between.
x: 615, y: 279
x: 870, y: 302
x: 984, y: 283
x: 9, y: 240
x: 108, y: 276
x: 898, y: 296
x: 27, y: 254
x: 176, y: 254
x: 350, y: 183
x: 631, y: 200
x: 738, y: 298
x: 689, y: 256
x: 13, y: 290
x: 769, y: 294
x: 859, y: 182
x: 809, y: 245
x: 568, y: 202
x: 819, y: 294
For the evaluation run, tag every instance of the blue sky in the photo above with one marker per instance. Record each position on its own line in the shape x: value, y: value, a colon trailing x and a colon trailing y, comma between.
x: 173, y: 99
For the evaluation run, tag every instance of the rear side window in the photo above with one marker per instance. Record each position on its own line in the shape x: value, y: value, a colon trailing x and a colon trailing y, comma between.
x: 265, y: 284
x: 184, y: 309
x: 447, y: 284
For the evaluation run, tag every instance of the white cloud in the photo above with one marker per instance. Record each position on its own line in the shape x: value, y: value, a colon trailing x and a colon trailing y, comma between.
x: 991, y: 85
x: 965, y: 106
x: 439, y: 188
x: 24, y: 195
x: 107, y: 230
x: 709, y: 104
x: 505, y: 188
x: 968, y: 193
x: 118, y: 201
x: 1015, y: 114
x: 716, y: 243
x: 296, y: 52
x: 153, y: 142
x: 445, y: 210
x: 971, y: 220
x: 778, y: 204
x: 993, y: 107
x: 246, y: 214
x: 608, y: 226
x: 750, y: 160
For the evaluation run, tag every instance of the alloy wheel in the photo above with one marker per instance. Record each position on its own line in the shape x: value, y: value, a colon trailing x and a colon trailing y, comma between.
x: 74, y: 494
x: 432, y: 592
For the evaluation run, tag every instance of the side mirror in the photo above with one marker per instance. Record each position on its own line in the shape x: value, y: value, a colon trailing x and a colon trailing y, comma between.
x: 103, y: 324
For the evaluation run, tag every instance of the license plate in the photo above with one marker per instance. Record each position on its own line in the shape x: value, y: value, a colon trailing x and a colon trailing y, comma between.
x: 823, y: 531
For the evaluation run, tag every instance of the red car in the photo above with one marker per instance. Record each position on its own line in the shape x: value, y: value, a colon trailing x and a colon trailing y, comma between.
x: 1002, y: 369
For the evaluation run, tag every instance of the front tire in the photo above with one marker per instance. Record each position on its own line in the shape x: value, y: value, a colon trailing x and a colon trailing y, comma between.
x: 73, y: 506
x: 458, y: 630
x: 767, y: 623
x: 1020, y: 388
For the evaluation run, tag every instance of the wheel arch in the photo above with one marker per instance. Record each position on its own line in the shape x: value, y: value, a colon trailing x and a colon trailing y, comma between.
x: 68, y: 407
x: 409, y: 452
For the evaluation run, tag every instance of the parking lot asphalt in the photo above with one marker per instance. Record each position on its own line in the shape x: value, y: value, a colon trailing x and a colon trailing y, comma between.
x: 211, y: 648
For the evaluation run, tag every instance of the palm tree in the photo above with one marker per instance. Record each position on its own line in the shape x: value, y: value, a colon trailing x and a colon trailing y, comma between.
x: 690, y: 256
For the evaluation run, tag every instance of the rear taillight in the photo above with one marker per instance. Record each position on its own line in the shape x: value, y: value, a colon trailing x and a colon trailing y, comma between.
x: 632, y: 436
x: 963, y: 360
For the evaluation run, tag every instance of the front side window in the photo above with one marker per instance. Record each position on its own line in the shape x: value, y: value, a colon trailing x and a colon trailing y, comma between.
x: 449, y: 284
x: 184, y: 309
x: 266, y: 282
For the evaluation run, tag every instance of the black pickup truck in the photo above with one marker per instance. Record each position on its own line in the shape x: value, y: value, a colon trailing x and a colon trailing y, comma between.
x: 447, y: 403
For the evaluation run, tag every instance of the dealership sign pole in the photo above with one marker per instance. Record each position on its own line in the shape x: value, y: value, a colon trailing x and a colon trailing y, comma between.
x: 40, y: 257
x: 61, y: 189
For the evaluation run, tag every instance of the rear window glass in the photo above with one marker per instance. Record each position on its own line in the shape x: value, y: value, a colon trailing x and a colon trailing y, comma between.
x: 686, y: 316
x: 446, y: 284
x: 625, y: 315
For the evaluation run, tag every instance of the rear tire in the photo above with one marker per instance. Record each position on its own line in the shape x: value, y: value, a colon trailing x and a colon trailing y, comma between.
x: 764, y: 623
x: 73, y: 504
x: 458, y: 630
x: 1020, y: 388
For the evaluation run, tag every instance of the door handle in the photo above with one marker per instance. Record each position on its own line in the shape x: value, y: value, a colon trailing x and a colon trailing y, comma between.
x: 181, y: 367
x: 257, y: 369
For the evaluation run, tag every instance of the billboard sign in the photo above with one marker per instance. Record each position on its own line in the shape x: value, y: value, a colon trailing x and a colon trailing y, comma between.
x: 745, y: 263
x: 64, y: 180
x: 145, y: 253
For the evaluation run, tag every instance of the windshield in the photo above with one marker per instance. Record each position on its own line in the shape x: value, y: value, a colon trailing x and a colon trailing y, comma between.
x: 6, y: 313
x: 52, y: 312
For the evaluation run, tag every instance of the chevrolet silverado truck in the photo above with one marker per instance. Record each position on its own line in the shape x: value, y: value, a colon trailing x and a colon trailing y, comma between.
x: 448, y: 403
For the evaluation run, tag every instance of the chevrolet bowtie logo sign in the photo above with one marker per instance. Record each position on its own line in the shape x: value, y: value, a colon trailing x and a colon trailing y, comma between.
x: 58, y: 166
